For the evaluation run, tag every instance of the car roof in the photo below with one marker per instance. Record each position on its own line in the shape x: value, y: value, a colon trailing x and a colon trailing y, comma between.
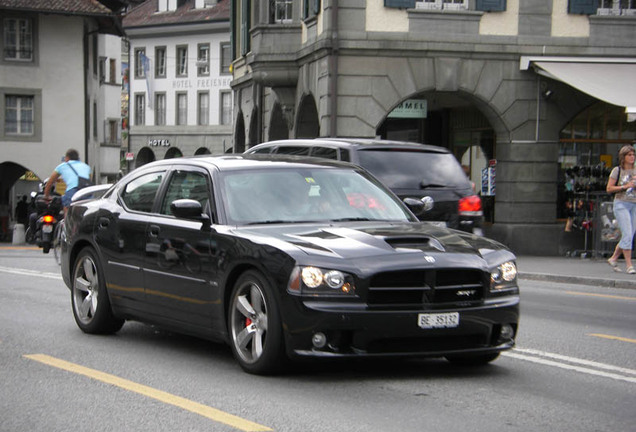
x: 361, y: 143
x: 230, y: 162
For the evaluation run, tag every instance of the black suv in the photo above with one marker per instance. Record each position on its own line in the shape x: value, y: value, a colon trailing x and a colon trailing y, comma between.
x: 425, y: 172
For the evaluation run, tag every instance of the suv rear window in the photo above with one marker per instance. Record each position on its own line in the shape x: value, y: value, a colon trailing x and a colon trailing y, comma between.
x: 413, y: 169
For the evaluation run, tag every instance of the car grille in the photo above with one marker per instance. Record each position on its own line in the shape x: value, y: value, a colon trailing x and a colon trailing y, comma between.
x: 432, y: 288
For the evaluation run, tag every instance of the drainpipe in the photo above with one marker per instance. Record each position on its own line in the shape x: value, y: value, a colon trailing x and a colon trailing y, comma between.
x: 333, y: 70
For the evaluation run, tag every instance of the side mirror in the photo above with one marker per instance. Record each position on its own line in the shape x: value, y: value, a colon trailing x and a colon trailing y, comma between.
x: 191, y: 210
x: 415, y: 205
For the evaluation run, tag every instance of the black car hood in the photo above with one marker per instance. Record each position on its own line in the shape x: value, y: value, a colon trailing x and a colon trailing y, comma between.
x: 361, y: 240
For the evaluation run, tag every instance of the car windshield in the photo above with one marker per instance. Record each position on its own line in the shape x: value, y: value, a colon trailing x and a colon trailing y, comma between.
x: 307, y: 195
x: 403, y: 169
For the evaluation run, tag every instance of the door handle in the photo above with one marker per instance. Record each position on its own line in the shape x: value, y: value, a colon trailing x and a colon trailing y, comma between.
x: 153, y: 231
x: 103, y: 222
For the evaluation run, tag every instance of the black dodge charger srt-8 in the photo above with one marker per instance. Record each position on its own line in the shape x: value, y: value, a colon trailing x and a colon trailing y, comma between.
x: 286, y: 257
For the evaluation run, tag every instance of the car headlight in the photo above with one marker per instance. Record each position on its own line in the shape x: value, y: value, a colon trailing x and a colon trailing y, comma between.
x: 504, y: 276
x: 315, y: 281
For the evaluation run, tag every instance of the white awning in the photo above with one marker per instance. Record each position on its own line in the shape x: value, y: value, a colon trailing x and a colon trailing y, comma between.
x: 612, y: 80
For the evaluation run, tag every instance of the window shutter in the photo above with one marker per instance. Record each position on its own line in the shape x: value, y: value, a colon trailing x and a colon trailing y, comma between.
x: 402, y: 4
x: 491, y: 5
x: 585, y: 7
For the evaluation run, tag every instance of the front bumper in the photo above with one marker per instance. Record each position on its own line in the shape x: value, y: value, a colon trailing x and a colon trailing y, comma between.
x: 356, y: 331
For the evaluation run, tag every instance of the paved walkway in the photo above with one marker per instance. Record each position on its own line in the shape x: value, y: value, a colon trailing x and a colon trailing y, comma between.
x: 585, y: 271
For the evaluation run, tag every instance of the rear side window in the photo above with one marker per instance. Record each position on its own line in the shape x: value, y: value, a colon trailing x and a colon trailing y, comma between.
x: 325, y: 152
x: 401, y: 169
x: 293, y: 150
x: 140, y: 193
x: 264, y: 150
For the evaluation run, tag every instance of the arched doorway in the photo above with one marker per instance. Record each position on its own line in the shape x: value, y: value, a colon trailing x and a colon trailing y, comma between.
x: 145, y: 155
x: 307, y: 122
x: 17, y: 184
x: 448, y: 119
x: 173, y: 152
x: 278, y: 129
x: 239, y: 134
x: 202, y: 151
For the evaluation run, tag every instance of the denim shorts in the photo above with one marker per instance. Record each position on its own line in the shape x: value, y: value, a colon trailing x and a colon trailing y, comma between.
x: 68, y: 195
x: 625, y: 213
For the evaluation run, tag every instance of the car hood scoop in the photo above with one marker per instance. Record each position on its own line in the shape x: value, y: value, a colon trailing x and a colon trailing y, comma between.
x: 360, y: 240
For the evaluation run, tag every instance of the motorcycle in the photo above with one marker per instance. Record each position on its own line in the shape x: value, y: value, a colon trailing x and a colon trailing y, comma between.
x: 50, y: 213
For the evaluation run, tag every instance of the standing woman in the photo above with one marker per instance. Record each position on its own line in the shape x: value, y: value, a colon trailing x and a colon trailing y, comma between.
x: 621, y: 183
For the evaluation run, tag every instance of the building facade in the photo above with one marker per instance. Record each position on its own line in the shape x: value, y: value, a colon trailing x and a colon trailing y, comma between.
x: 58, y: 62
x: 532, y: 95
x: 180, y: 101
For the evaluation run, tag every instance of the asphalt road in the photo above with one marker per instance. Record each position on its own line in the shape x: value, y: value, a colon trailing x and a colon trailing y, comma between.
x: 574, y: 369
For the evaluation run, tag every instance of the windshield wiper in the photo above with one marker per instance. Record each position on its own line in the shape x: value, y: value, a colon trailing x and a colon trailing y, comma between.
x: 424, y: 185
x: 352, y: 219
x: 270, y: 222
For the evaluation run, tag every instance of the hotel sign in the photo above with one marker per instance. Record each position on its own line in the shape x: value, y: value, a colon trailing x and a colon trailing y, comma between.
x: 410, y: 108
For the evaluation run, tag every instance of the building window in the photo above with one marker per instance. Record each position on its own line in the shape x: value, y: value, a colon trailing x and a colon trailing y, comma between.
x: 246, y: 25
x: 226, y: 108
x: 102, y: 70
x: 95, y: 120
x: 19, y: 118
x: 140, y: 112
x: 203, y: 108
x: 111, y: 131
x: 616, y: 7
x: 203, y: 60
x: 447, y: 4
x: 182, y: 60
x: 160, y: 109
x: 113, y: 71
x: 226, y: 58
x: 602, y: 7
x: 182, y: 108
x: 160, y: 62
x: 18, y: 39
x: 140, y: 62
x: 283, y: 11
x: 401, y: 4
x: 311, y: 8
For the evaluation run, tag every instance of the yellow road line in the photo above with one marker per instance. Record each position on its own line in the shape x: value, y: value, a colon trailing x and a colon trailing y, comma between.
x: 19, y: 247
x: 618, y: 338
x: 601, y: 295
x: 197, y: 408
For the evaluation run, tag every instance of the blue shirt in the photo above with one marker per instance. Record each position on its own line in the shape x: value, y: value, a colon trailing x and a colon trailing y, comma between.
x: 67, y: 174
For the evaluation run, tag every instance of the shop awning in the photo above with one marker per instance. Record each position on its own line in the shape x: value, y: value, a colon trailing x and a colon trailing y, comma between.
x: 612, y: 80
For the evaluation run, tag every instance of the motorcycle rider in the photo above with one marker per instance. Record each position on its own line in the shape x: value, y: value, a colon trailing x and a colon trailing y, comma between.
x: 70, y: 170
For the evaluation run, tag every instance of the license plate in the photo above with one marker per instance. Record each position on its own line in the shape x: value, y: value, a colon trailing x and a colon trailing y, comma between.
x: 440, y: 320
x: 47, y: 228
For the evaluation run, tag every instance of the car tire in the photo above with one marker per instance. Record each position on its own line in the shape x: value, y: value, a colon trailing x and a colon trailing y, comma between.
x: 89, y: 298
x: 472, y: 359
x: 254, y: 325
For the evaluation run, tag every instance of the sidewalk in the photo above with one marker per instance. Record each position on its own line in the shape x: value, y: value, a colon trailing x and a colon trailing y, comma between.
x: 584, y: 271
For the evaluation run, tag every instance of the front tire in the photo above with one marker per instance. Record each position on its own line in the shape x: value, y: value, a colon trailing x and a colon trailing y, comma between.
x: 255, y: 326
x: 89, y: 299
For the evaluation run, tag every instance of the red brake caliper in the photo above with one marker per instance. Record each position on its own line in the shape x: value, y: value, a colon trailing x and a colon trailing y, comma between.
x: 248, y: 322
